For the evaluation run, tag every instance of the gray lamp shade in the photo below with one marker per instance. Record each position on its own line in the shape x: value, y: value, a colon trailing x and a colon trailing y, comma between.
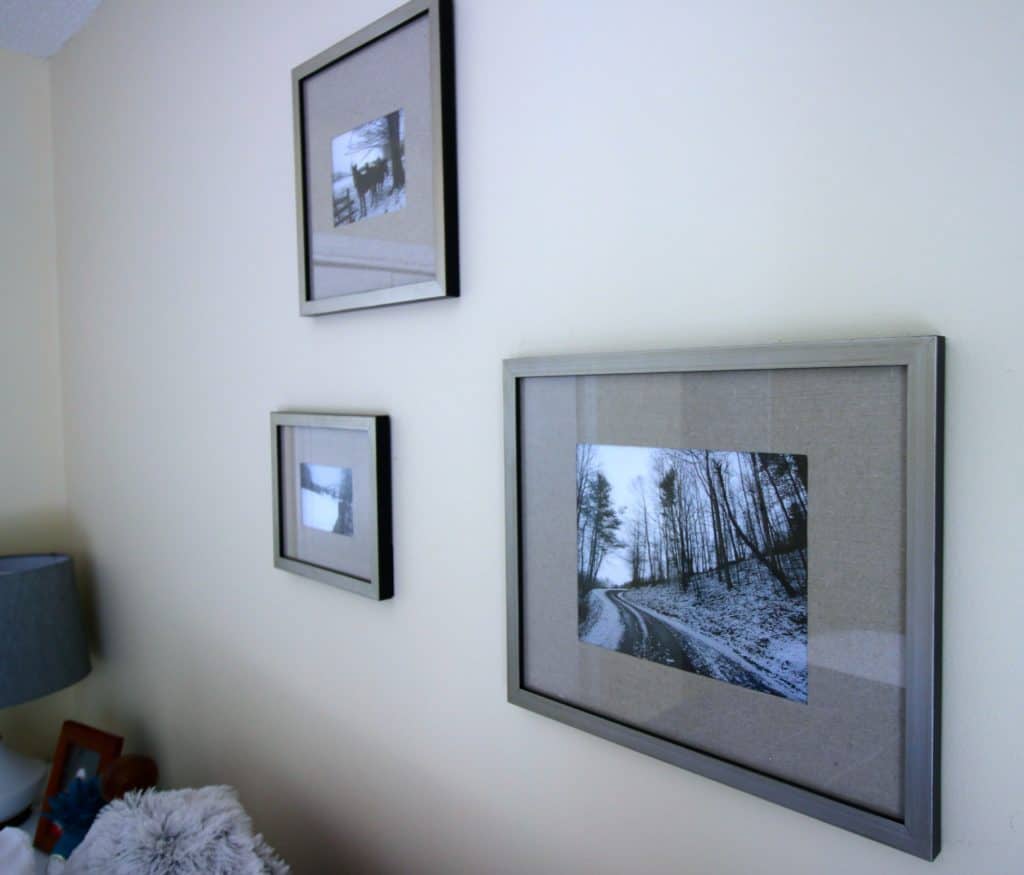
x: 43, y: 647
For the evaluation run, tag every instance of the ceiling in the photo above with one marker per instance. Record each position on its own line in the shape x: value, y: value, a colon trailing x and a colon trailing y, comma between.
x: 41, y: 27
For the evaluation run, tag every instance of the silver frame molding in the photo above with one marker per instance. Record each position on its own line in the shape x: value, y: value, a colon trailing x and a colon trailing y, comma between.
x: 923, y: 358
x: 380, y: 584
x: 442, y: 105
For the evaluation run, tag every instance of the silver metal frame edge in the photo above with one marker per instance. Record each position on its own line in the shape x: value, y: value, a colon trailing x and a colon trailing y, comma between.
x: 380, y: 585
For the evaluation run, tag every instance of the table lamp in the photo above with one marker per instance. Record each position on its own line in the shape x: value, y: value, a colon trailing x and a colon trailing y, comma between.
x: 43, y: 649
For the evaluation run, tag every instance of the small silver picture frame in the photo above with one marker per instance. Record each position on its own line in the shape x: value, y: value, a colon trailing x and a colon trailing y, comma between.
x: 332, y: 499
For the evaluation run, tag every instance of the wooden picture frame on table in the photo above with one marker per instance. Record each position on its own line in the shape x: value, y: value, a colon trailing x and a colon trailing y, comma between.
x: 80, y: 749
x: 730, y: 559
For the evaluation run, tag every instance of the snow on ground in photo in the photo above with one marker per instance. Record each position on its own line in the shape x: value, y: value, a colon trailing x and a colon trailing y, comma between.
x: 754, y: 622
x: 319, y: 511
x: 387, y: 203
x: 603, y: 623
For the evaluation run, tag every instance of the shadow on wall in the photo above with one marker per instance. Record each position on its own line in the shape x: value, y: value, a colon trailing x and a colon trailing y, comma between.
x: 34, y: 727
x: 326, y: 799
x: 329, y: 797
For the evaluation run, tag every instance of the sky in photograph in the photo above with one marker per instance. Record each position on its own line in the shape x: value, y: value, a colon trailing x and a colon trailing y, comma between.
x: 324, y: 475
x: 622, y: 465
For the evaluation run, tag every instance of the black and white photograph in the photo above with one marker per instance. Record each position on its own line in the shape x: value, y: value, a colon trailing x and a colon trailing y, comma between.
x: 326, y: 494
x: 696, y: 559
x: 369, y: 169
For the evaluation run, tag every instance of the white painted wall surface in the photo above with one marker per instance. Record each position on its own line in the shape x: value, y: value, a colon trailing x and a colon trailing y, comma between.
x: 33, y: 499
x: 631, y: 176
x: 32, y: 496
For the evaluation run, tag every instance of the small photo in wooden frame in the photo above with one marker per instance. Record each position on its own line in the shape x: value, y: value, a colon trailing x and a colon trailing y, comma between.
x: 82, y: 751
x: 332, y: 499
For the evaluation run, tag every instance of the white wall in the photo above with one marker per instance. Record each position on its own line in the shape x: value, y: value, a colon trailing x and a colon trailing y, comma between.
x: 32, y: 496
x: 651, y: 175
x: 33, y: 501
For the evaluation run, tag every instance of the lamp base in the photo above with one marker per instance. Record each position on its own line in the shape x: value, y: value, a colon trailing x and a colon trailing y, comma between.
x: 21, y: 779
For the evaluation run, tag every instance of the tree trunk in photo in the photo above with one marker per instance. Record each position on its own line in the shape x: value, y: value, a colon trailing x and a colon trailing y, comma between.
x: 395, y: 151
x: 681, y: 513
x: 773, y: 543
x: 584, y: 473
x: 793, y: 538
x: 762, y: 507
x: 651, y: 566
x: 636, y: 552
x: 672, y: 535
x: 604, y: 523
x: 721, y: 552
x: 774, y: 567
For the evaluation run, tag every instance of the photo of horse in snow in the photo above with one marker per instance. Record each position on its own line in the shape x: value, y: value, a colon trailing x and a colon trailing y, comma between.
x: 696, y: 559
x: 368, y: 165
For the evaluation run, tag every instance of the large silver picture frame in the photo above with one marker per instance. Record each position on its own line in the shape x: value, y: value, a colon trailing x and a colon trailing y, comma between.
x: 411, y: 252
x: 913, y: 826
x: 358, y: 555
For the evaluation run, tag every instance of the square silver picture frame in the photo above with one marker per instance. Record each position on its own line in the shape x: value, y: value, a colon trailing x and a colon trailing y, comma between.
x: 918, y: 832
x: 379, y: 584
x: 441, y: 74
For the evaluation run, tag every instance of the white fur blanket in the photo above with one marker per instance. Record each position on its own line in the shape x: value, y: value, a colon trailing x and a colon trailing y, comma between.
x: 16, y: 856
x: 175, y: 832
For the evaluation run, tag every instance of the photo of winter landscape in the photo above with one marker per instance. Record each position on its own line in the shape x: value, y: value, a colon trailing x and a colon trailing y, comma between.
x: 326, y: 498
x: 696, y: 559
x: 368, y: 166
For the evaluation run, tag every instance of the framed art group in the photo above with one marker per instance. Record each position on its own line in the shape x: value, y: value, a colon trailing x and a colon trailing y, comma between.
x: 728, y: 559
x: 374, y: 133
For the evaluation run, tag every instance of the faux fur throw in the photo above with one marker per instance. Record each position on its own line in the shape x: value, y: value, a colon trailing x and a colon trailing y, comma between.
x: 175, y: 832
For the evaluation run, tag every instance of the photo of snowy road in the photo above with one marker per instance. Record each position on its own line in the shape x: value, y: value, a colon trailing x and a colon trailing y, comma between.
x: 696, y: 559
x: 326, y: 498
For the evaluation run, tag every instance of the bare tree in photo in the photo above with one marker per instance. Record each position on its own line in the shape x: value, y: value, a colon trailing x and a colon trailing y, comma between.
x: 597, y: 521
x: 760, y: 543
x: 394, y: 136
x: 584, y: 472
